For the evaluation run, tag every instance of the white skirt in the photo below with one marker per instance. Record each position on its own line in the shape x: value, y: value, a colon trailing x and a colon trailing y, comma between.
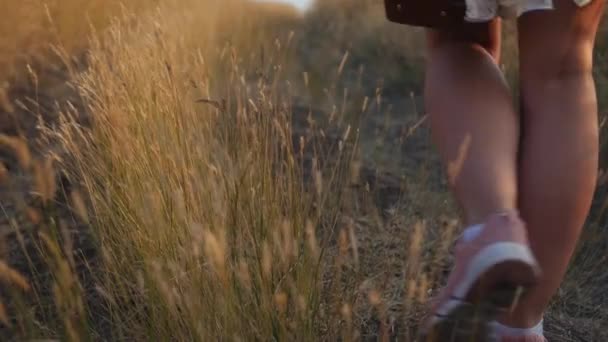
x: 484, y: 10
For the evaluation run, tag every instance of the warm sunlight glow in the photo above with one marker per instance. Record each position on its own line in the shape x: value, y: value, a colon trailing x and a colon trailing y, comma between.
x: 300, y: 4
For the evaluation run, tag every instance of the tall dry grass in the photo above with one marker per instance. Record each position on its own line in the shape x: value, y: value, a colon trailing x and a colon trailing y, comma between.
x: 214, y: 217
x: 195, y: 178
x: 32, y: 29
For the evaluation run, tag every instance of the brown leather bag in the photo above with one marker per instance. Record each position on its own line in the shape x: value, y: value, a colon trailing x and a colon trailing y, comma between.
x: 426, y: 13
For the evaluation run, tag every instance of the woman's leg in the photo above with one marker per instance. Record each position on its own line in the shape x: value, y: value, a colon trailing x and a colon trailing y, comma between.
x: 559, y: 148
x: 473, y: 121
x: 476, y: 129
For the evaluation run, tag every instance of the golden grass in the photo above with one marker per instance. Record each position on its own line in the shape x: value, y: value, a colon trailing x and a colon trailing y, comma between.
x: 205, y: 227
x: 196, y: 192
x: 194, y: 189
x: 30, y: 29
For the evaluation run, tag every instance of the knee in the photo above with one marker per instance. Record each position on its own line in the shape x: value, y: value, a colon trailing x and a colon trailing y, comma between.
x: 574, y: 62
x: 559, y: 44
x: 548, y: 52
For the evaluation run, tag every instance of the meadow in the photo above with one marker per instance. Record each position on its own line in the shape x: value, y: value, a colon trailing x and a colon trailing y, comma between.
x: 226, y: 170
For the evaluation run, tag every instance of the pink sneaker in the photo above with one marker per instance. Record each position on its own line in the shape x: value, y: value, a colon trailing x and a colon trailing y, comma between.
x: 490, y: 274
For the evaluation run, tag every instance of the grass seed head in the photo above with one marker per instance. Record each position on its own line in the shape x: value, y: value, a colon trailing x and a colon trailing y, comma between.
x: 281, y: 300
x: 33, y: 215
x: 374, y: 298
x: 20, y: 149
x: 423, y: 288
x: 3, y: 174
x: 311, y: 238
x: 13, y: 277
x: 347, y: 312
x: 4, y: 316
x: 215, y: 250
x: 266, y: 260
x: 79, y: 206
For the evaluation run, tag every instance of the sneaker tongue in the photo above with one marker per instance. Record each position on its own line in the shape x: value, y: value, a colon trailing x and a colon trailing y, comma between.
x: 471, y: 233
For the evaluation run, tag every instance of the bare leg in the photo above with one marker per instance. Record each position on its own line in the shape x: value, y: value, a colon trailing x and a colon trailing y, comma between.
x: 474, y: 124
x: 559, y: 150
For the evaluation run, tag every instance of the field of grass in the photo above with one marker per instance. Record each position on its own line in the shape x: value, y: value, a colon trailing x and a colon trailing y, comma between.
x: 223, y: 170
x: 32, y: 31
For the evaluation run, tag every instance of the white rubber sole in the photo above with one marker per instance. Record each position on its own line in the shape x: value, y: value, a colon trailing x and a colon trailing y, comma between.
x: 459, y: 319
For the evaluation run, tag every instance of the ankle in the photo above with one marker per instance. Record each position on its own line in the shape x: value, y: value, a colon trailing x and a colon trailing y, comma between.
x: 474, y: 229
x: 483, y: 217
